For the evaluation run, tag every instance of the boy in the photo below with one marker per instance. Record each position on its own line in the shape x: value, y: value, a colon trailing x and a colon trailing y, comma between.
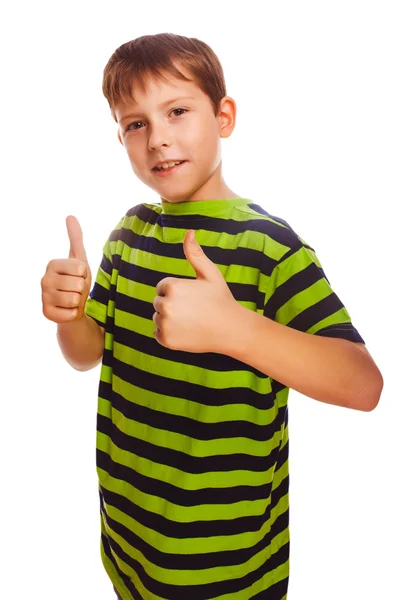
x: 200, y: 342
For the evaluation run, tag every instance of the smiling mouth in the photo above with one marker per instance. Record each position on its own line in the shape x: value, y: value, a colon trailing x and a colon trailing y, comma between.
x: 161, y: 169
x: 169, y: 172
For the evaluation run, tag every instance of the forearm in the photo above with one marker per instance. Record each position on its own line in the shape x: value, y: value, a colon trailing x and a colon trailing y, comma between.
x: 81, y: 342
x: 331, y: 370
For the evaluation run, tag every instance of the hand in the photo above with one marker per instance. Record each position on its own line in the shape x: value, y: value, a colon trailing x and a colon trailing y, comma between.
x: 66, y: 283
x: 194, y: 315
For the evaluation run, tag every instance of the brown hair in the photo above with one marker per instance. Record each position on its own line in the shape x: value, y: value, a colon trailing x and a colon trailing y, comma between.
x: 148, y: 55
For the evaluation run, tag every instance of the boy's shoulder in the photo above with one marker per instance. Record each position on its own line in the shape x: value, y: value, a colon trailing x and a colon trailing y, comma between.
x: 275, y: 228
x: 249, y: 218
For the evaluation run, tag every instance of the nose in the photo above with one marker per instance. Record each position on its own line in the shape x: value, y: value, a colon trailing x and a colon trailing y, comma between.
x: 159, y: 136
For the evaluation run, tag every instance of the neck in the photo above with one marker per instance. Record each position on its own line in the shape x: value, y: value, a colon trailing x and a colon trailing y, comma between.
x: 214, y: 188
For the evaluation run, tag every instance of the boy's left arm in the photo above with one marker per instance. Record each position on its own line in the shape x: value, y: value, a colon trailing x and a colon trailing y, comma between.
x: 332, y: 370
x: 203, y: 316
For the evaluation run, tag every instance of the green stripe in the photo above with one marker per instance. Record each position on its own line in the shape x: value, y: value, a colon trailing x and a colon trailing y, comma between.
x: 303, y: 300
x: 204, y: 512
x: 187, y: 481
x: 190, y: 446
x: 173, y: 370
x: 129, y: 572
x: 340, y: 316
x: 188, y: 577
x: 196, y: 411
x: 185, y: 546
x: 190, y: 546
x: 256, y: 239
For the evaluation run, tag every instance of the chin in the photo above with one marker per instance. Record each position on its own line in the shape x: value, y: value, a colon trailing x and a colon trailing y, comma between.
x: 174, y: 198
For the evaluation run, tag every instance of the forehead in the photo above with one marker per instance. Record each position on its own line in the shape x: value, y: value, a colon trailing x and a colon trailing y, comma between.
x: 152, y: 92
x: 155, y: 88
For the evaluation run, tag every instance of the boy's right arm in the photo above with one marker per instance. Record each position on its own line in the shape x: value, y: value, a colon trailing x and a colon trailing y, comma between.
x: 81, y: 342
x: 65, y: 288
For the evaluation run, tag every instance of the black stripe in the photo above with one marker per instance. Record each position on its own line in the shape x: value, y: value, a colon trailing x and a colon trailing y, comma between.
x: 297, y: 283
x: 186, y: 462
x: 178, y: 530
x: 261, y: 211
x: 184, y: 389
x: 346, y: 331
x: 106, y: 265
x: 276, y: 386
x: 208, y: 560
x: 98, y: 321
x: 205, y: 360
x: 134, y: 210
x: 127, y: 581
x: 246, y: 257
x: 100, y: 294
x: 283, y: 235
x: 183, y: 497
x: 283, y: 454
x: 244, y: 292
x: 277, y: 591
x: 205, y: 591
x: 315, y: 313
x: 190, y: 427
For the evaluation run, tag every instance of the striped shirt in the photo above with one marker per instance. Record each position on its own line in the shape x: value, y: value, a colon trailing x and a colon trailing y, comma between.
x: 192, y: 448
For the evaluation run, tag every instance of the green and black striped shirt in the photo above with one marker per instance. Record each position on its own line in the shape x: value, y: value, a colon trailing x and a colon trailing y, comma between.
x: 192, y: 449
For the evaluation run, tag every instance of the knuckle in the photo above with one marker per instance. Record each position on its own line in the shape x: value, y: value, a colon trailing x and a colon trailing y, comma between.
x: 81, y: 284
x: 170, y: 285
x: 46, y: 302
x: 53, y: 266
x: 75, y: 300
x: 73, y: 314
x: 81, y: 269
x: 167, y: 284
x: 158, y: 304
x: 167, y: 310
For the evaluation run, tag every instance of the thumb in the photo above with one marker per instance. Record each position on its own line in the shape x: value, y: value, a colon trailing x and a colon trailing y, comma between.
x: 76, y: 248
x: 203, y: 266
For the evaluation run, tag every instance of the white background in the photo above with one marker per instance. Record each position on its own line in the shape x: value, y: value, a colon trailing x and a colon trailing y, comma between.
x: 316, y: 143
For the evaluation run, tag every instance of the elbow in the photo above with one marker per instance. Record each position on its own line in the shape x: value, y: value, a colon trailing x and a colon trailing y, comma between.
x: 82, y: 367
x: 371, y: 394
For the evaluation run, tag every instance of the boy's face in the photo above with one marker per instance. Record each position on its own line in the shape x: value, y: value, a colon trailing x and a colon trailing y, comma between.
x: 174, y: 120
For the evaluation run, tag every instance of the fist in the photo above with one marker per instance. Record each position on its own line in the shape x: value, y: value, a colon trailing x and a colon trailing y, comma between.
x: 67, y: 281
x: 195, y: 315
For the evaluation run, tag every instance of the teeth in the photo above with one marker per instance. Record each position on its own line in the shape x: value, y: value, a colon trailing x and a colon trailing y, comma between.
x: 169, y: 164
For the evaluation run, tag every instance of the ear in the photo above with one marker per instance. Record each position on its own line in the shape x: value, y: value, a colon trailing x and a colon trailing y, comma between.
x: 227, y: 116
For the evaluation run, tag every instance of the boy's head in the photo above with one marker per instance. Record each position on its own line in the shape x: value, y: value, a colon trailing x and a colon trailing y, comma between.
x: 167, y: 93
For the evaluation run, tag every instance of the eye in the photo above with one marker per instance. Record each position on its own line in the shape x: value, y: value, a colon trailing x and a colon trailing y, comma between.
x: 131, y: 126
x: 134, y: 126
x: 182, y: 109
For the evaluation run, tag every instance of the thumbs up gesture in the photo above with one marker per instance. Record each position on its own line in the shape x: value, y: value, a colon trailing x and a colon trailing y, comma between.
x: 66, y: 283
x: 194, y: 315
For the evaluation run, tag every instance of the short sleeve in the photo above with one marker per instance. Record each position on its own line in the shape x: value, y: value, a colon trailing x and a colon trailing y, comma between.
x: 98, y: 299
x: 302, y: 297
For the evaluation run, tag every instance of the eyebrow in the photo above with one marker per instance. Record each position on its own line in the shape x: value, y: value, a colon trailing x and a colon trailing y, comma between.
x: 162, y: 105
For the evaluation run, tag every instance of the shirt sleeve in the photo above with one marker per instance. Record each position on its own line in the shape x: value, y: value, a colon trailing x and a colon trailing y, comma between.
x: 98, y: 299
x: 302, y: 297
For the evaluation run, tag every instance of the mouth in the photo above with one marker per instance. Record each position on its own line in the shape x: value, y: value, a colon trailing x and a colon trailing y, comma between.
x: 161, y: 172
